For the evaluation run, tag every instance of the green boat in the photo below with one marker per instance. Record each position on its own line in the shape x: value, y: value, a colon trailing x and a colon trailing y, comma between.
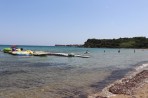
x: 7, y: 50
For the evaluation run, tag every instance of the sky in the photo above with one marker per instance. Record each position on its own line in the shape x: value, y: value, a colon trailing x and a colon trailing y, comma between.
x: 50, y: 22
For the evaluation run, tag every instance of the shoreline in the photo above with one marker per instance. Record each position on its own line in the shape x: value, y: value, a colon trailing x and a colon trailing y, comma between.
x: 135, y: 86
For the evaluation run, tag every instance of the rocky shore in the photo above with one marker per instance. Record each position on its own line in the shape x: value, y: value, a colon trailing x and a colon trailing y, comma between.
x: 132, y: 87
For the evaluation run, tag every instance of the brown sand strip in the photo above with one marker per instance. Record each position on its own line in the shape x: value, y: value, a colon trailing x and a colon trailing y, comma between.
x: 134, y: 87
x: 126, y: 86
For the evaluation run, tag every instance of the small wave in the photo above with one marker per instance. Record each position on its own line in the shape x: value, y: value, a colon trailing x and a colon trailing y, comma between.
x: 143, y: 66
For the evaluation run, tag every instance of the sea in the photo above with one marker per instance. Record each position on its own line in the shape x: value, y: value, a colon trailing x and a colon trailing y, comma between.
x: 66, y: 77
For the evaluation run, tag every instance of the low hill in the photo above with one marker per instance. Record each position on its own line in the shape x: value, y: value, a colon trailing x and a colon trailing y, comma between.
x: 135, y: 42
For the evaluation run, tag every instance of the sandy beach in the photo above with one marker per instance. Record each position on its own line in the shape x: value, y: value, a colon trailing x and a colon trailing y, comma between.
x: 135, y: 86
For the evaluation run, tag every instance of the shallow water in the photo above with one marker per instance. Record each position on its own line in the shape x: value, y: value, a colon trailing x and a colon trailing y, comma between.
x: 65, y: 77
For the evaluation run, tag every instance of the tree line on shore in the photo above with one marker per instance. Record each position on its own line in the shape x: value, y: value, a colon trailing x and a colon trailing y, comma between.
x: 135, y: 42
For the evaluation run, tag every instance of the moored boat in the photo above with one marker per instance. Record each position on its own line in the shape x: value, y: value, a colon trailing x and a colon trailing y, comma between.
x: 22, y: 53
x: 7, y: 50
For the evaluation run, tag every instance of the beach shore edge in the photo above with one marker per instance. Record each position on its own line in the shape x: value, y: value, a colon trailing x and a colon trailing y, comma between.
x: 135, y: 86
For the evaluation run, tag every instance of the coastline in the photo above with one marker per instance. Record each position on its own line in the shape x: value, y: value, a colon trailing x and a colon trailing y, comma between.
x: 140, y: 92
x: 34, y: 87
x: 134, y: 86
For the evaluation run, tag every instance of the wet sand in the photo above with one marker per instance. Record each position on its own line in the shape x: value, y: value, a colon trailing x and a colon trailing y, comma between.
x: 135, y: 86
x: 141, y: 92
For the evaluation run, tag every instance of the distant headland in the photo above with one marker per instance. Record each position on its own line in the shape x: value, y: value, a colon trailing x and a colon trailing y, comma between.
x: 70, y: 45
x: 135, y: 42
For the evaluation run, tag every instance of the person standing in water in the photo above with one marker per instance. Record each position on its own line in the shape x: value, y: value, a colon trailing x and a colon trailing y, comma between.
x: 86, y: 52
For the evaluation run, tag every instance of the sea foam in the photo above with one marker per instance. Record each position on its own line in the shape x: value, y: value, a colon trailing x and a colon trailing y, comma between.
x: 143, y: 66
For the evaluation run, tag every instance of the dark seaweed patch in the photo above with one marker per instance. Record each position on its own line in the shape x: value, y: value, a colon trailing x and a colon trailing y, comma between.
x: 24, y: 84
x: 117, y: 74
x: 72, y: 93
x: 45, y: 64
x: 2, y: 73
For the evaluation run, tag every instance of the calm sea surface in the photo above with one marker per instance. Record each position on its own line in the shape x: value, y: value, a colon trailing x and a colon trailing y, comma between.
x: 64, y: 77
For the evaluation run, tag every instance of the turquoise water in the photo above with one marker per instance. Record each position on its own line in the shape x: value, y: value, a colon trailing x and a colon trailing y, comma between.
x: 65, y: 77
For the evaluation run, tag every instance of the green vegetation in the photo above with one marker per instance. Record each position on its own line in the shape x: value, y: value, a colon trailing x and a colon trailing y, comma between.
x: 135, y: 42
